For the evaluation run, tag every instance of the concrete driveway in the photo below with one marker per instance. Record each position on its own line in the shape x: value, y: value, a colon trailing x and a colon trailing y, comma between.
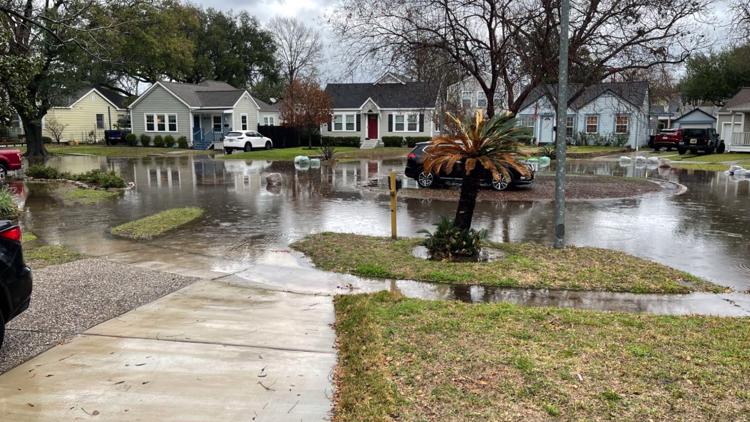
x: 214, y: 350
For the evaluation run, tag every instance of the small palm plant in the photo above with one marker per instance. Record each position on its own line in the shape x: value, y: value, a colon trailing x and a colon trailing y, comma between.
x: 492, y: 144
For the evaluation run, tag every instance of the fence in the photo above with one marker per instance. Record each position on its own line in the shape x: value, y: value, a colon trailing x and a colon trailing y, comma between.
x: 290, y: 137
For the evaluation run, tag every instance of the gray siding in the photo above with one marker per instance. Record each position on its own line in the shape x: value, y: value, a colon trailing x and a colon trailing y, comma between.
x: 245, y: 106
x: 158, y: 100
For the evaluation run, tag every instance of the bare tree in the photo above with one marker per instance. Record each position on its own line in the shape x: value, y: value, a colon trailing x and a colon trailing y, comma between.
x: 55, y: 128
x: 298, y: 46
x: 513, y: 44
x: 741, y: 9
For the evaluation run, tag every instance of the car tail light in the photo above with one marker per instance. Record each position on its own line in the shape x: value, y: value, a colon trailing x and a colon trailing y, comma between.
x: 411, y: 156
x: 13, y: 233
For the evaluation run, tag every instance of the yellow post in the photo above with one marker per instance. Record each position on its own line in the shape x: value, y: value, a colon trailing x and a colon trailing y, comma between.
x: 392, y: 179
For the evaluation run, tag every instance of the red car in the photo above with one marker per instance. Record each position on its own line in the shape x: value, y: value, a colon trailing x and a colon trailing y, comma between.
x: 10, y: 159
x: 667, y: 138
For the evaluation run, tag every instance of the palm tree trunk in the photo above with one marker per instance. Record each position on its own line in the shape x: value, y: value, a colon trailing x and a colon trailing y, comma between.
x: 467, y: 201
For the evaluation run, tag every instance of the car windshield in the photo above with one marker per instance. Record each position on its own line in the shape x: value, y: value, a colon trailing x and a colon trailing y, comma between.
x: 234, y: 134
x: 694, y: 132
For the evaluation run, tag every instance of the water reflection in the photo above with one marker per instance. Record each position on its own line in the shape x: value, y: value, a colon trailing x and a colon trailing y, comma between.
x: 704, y: 231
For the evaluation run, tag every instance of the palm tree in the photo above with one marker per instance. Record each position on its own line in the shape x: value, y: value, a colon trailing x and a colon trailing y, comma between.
x: 492, y: 144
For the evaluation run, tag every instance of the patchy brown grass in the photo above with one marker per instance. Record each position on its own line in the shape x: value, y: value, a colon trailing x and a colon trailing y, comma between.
x: 415, y: 360
x: 524, y: 265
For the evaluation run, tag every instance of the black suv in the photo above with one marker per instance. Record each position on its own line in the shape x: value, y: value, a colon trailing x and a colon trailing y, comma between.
x: 15, y: 276
x: 705, y: 140
x: 415, y: 170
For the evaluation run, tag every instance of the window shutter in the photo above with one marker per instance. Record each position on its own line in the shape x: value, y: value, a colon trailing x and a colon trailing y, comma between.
x: 421, y: 122
x: 359, y: 122
x: 390, y: 123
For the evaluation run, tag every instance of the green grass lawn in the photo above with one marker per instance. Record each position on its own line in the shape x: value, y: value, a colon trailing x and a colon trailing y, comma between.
x: 157, y: 224
x: 581, y: 149
x: 710, y: 162
x: 114, y: 151
x: 342, y: 153
x: 524, y: 265
x: 415, y: 360
x: 38, y: 255
x: 87, y: 196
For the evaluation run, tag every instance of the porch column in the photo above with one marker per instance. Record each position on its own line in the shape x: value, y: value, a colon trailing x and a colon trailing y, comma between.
x: 192, y: 130
x: 731, y: 133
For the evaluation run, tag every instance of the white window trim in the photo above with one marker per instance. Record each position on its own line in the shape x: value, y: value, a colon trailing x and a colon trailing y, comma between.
x: 586, y: 124
x: 246, y: 124
x: 627, y: 126
x: 344, y: 121
x: 480, y: 95
x: 406, y: 122
x: 104, y: 122
x: 166, y: 123
x: 469, y: 95
x: 213, y: 124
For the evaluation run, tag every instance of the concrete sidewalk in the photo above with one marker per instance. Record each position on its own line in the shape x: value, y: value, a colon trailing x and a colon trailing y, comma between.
x: 211, y: 351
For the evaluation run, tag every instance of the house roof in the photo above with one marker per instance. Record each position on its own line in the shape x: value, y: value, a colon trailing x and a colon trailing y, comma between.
x: 110, y: 95
x: 740, y: 100
x: 696, y: 110
x: 268, y: 108
x: 632, y: 92
x: 385, y: 95
x: 207, y: 94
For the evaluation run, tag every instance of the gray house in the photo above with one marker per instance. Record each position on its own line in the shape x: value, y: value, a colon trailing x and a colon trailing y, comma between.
x: 695, y: 119
x: 390, y: 106
x: 202, y: 113
x: 734, y: 122
x: 603, y: 112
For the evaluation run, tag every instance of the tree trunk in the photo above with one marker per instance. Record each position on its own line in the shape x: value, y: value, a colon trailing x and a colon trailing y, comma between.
x: 35, y: 150
x: 490, y: 105
x: 467, y: 201
x: 309, y: 138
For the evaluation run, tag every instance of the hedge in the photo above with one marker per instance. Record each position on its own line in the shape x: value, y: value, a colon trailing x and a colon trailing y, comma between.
x: 145, y: 140
x: 341, y: 141
x: 398, y: 141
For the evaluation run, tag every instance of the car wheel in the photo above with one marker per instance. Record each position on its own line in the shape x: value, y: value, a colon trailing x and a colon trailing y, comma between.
x: 248, y: 147
x: 425, y: 180
x: 669, y: 149
x: 3, y: 172
x: 501, y: 184
x: 228, y: 151
x: 721, y: 148
x: 657, y: 149
x: 681, y: 151
x: 268, y: 145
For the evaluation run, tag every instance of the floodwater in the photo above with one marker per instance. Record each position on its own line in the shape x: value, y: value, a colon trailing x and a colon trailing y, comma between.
x: 705, y: 231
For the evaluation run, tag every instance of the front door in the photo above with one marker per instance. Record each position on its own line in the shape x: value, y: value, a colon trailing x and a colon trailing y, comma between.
x: 546, y: 131
x: 372, y: 126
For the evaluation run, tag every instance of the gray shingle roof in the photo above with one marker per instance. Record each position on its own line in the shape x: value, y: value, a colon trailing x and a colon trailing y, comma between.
x: 632, y: 92
x: 742, y: 98
x: 207, y: 94
x: 268, y: 108
x: 408, y: 95
x: 114, y: 97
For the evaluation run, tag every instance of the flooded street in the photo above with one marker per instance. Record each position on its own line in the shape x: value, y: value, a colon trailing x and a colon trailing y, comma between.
x: 704, y: 231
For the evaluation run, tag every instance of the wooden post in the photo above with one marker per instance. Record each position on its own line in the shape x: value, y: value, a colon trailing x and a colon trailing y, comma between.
x: 392, y: 180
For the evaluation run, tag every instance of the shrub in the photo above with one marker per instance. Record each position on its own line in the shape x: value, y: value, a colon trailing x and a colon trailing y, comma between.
x: 451, y: 243
x: 182, y: 142
x: 393, y: 141
x: 341, y: 141
x: 46, y: 139
x: 145, y: 140
x: 412, y: 141
x: 158, y: 141
x: 169, y: 141
x: 101, y: 178
x: 547, y: 150
x: 8, y: 208
x: 40, y: 171
x: 131, y: 140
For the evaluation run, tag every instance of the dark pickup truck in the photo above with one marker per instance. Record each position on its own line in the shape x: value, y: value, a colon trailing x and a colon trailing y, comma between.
x: 704, y: 140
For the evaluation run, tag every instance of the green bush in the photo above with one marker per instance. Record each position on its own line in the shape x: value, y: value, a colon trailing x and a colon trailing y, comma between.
x: 46, y: 140
x: 341, y: 141
x: 40, y: 171
x: 169, y: 141
x: 101, y: 178
x: 158, y: 141
x: 145, y: 140
x: 412, y: 141
x: 182, y: 142
x: 393, y: 141
x: 452, y: 243
x: 8, y: 208
x: 131, y: 139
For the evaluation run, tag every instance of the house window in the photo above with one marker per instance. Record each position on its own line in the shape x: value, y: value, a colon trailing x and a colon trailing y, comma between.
x: 466, y: 99
x: 569, y: 126
x: 592, y: 124
x: 150, y: 123
x: 398, y: 123
x: 100, y: 121
x: 622, y: 124
x: 216, y: 120
x: 243, y: 121
x: 172, y: 122
x: 527, y: 121
x: 406, y: 122
x: 161, y: 125
x: 481, y: 99
x: 344, y: 122
x: 269, y: 121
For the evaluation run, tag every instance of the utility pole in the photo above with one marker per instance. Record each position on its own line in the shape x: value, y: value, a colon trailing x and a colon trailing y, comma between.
x: 561, y: 132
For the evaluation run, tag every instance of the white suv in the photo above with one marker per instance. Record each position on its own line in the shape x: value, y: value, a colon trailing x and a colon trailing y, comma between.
x: 245, y: 141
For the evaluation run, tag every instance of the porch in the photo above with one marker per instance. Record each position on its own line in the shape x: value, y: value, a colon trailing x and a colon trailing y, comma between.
x: 209, y: 127
x: 738, y: 142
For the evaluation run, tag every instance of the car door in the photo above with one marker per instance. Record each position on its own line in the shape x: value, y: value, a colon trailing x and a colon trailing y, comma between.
x: 255, y: 139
